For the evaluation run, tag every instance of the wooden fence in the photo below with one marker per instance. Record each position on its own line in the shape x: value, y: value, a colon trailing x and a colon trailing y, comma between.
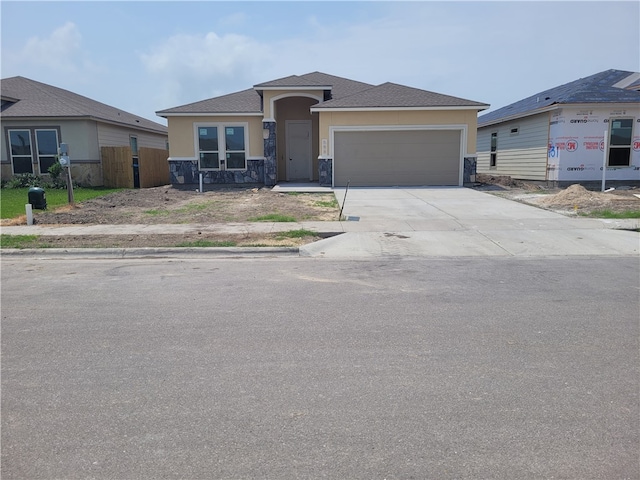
x: 118, y: 169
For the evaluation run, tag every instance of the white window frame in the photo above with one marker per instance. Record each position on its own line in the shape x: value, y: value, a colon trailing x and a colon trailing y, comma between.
x: 222, y: 144
x: 12, y: 156
x: 37, y: 152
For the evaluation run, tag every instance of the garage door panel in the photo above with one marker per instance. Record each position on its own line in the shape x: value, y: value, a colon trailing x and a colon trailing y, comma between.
x: 412, y: 157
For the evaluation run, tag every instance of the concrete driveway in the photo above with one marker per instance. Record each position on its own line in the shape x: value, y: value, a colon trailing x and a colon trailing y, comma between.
x: 456, y: 221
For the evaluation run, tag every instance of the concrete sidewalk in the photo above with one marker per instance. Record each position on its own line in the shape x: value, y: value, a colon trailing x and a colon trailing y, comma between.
x: 172, y: 229
x: 418, y: 222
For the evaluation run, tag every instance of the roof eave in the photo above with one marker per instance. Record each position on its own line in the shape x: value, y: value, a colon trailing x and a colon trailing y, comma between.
x: 80, y: 117
x: 549, y: 108
x: 128, y: 125
x: 297, y: 87
x: 389, y: 109
x: 209, y: 114
x: 516, y: 116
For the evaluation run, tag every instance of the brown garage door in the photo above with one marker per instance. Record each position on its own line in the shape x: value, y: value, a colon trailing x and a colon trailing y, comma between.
x: 390, y: 158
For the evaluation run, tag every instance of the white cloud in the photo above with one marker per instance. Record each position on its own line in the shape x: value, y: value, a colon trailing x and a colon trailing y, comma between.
x: 60, y: 50
x: 194, y: 67
x: 489, y: 52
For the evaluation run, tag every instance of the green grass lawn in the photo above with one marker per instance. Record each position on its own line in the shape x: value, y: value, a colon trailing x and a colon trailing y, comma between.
x: 295, y: 234
x: 610, y: 214
x: 19, y: 241
x: 13, y: 200
x: 273, y: 217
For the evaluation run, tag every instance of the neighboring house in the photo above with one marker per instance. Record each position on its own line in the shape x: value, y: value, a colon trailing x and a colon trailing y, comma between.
x: 559, y: 135
x: 327, y: 129
x: 37, y: 117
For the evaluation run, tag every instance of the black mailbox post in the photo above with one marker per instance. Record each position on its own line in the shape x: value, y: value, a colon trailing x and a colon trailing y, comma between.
x: 37, y: 198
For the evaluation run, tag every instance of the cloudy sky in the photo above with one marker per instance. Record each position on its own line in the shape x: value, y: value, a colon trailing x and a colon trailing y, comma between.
x: 151, y: 55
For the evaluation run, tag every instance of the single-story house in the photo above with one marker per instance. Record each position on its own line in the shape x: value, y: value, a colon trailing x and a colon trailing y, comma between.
x: 565, y: 134
x: 323, y: 128
x: 37, y: 117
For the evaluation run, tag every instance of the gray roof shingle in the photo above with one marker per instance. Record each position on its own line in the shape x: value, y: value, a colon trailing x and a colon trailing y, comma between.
x: 37, y: 100
x: 345, y: 93
x: 596, y: 88
x: 247, y: 101
x: 291, y: 81
x: 394, y: 95
x: 342, y: 87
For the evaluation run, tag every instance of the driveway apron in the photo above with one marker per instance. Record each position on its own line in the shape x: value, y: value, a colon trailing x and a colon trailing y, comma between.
x: 457, y: 221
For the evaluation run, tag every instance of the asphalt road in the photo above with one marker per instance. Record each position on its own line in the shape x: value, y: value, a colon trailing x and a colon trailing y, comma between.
x: 501, y: 368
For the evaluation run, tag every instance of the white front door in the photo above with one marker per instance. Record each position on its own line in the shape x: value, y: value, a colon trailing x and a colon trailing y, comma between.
x: 298, y: 133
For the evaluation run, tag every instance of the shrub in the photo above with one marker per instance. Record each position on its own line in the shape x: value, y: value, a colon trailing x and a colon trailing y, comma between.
x: 55, y: 170
x: 23, y: 180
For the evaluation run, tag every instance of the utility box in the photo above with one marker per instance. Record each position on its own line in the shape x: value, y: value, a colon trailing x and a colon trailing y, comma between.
x: 37, y: 198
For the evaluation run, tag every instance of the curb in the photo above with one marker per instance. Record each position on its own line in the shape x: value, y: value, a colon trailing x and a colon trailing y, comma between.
x: 150, y: 252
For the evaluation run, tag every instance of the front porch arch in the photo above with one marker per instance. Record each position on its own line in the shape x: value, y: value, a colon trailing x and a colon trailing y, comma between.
x: 273, y: 100
x: 289, y: 109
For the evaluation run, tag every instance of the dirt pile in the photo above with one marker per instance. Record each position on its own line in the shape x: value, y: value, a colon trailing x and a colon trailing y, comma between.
x: 576, y: 197
x: 505, y: 181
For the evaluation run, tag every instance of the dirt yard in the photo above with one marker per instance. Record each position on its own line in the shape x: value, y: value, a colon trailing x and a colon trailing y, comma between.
x: 169, y: 204
x: 573, y: 200
x: 224, y: 204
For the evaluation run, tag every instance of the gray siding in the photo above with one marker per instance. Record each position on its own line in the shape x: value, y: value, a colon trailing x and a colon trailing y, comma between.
x: 522, y: 155
x: 114, y: 136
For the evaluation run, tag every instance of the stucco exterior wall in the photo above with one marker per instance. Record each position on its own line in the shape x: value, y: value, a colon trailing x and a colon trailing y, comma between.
x: 80, y: 135
x: 400, y: 117
x: 84, y: 138
x: 269, y: 95
x: 182, y: 143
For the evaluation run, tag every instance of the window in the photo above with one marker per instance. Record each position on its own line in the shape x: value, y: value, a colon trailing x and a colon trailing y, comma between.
x: 234, y: 142
x: 514, y: 131
x: 133, y: 143
x: 47, y: 147
x: 222, y: 147
x: 620, y: 142
x: 21, y: 157
x: 494, y: 149
x: 208, y: 143
x: 33, y: 145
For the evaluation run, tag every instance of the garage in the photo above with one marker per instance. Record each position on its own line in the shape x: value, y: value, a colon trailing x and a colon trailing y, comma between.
x: 370, y: 158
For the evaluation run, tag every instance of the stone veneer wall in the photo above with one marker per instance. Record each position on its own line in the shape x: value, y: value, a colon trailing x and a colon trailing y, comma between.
x: 185, y: 172
x: 470, y: 164
x: 270, y: 158
x: 325, y: 171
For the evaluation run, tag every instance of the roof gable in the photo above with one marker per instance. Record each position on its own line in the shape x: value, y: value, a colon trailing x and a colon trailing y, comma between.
x: 291, y: 81
x: 344, y: 93
x: 246, y: 101
x: 392, y: 95
x: 598, y: 88
x: 342, y: 87
x: 36, y: 100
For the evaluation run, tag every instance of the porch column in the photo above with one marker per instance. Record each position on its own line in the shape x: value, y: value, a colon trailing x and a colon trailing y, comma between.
x: 270, y: 158
x: 470, y: 163
x: 325, y: 171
